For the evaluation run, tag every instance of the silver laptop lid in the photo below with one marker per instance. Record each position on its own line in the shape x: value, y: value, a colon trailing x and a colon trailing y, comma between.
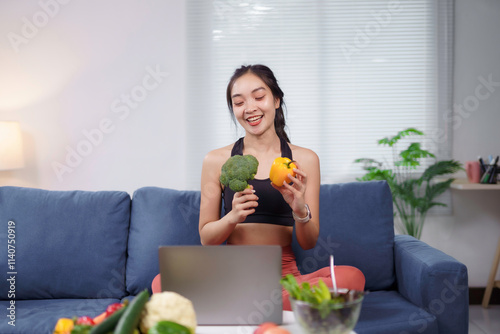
x: 227, y: 284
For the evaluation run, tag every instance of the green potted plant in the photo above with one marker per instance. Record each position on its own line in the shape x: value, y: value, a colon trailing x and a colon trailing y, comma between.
x: 413, y: 193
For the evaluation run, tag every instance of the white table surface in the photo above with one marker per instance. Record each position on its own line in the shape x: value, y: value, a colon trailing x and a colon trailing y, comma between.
x: 288, y: 323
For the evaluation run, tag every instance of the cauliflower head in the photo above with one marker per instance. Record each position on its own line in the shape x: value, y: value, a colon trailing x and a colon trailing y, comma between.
x: 169, y: 306
x: 237, y: 171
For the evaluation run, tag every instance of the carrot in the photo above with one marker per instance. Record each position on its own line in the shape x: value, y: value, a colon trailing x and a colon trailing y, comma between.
x: 100, y: 318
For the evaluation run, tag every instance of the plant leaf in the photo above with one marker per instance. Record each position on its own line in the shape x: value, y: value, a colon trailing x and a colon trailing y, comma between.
x: 441, y: 168
x: 412, y: 196
x: 368, y: 163
x: 375, y: 174
x: 400, y: 134
x: 408, y: 163
x: 434, y: 190
x: 407, y: 192
x: 412, y: 154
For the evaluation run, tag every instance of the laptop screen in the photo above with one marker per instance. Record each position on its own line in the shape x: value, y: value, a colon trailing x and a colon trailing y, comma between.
x: 227, y: 284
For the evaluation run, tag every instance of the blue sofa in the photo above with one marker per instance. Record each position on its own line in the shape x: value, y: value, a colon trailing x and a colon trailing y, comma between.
x: 72, y: 253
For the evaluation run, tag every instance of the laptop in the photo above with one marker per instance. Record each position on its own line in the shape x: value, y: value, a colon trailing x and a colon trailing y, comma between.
x: 227, y: 284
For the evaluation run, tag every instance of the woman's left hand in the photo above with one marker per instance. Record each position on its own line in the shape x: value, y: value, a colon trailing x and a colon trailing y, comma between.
x: 293, y: 193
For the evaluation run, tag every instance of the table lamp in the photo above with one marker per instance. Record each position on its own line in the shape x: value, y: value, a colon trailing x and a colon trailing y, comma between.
x: 11, y: 146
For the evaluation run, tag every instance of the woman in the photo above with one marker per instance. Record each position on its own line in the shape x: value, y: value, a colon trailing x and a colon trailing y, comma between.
x: 264, y: 213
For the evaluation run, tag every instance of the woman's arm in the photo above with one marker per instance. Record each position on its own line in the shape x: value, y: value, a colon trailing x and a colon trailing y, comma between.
x: 305, y: 190
x: 213, y: 229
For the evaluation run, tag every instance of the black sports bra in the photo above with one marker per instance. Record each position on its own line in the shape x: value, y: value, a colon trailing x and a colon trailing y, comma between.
x: 272, y: 208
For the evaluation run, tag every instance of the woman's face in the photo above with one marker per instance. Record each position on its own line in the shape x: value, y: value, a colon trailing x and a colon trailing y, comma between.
x: 253, y: 104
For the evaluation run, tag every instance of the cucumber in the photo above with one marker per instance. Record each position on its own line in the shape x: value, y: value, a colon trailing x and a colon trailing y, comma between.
x: 109, y: 324
x: 168, y: 327
x: 130, y: 319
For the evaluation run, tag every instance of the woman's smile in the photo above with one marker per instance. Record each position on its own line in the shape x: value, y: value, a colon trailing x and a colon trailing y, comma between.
x: 254, y: 105
x: 254, y: 120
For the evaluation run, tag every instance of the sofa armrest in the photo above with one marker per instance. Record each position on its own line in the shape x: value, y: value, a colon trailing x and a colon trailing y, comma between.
x: 434, y: 281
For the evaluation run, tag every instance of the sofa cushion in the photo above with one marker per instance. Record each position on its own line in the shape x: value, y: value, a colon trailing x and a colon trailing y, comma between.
x: 68, y: 244
x: 40, y: 316
x: 389, y: 312
x: 159, y: 217
x: 356, y: 226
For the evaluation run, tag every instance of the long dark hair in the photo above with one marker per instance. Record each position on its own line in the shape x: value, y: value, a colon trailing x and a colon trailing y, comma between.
x: 266, y: 75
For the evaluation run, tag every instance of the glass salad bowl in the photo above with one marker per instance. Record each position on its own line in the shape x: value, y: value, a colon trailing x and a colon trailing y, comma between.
x: 338, y: 315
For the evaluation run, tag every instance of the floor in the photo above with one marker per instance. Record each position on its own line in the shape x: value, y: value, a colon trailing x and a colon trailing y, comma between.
x: 484, y: 321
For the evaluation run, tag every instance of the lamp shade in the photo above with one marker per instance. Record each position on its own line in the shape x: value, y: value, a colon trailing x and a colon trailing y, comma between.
x: 11, y: 146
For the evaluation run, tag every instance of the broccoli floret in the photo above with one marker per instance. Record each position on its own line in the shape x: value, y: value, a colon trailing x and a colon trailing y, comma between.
x: 237, y: 171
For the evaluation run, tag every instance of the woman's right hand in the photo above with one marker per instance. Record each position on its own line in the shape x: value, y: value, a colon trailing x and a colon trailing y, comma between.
x: 244, y: 204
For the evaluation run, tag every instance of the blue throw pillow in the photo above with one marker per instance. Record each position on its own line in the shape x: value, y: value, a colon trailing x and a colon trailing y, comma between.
x: 159, y: 217
x: 356, y: 226
x: 68, y: 244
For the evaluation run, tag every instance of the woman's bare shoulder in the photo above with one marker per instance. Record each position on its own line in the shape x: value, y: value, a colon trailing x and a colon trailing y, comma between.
x: 303, y: 154
x: 217, y: 157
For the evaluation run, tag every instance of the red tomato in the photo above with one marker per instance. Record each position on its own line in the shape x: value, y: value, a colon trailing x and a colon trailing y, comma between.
x: 85, y: 321
x: 276, y: 330
x: 264, y: 327
x: 113, y: 308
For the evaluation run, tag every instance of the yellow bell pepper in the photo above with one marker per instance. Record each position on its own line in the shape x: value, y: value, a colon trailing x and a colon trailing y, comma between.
x: 64, y: 326
x: 280, y: 169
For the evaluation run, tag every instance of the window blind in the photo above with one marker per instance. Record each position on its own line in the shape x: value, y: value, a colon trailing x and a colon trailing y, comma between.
x: 352, y: 72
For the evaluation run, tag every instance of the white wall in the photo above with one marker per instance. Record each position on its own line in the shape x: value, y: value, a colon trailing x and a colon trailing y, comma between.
x: 472, y: 232
x: 69, y: 76
x: 74, y: 70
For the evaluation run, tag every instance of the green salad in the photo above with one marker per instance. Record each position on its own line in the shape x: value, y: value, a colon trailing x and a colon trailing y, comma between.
x: 319, y: 295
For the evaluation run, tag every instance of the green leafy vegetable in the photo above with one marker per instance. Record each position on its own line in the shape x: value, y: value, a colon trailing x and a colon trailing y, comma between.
x: 314, y: 294
x: 320, y: 297
x: 81, y: 329
x: 168, y: 327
